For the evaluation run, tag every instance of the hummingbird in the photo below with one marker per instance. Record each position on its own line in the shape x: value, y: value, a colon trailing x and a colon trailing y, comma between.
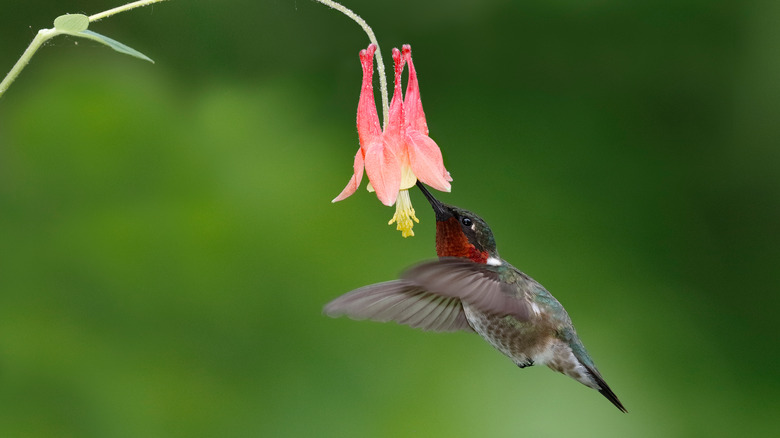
x: 471, y: 288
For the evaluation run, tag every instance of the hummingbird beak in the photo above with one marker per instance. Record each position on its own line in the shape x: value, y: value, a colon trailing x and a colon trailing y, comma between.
x: 442, y: 212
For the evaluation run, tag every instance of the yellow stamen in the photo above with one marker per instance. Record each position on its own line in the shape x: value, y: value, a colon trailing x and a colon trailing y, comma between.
x: 404, y: 214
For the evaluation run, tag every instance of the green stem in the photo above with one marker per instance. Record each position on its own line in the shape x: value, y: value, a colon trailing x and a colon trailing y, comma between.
x: 372, y: 38
x: 46, y: 34
x: 127, y: 7
x: 42, y: 36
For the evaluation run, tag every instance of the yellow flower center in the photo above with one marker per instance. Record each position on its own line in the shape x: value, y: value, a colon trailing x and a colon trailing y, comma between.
x: 404, y: 214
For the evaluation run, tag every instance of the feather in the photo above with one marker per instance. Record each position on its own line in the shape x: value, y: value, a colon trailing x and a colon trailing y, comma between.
x: 477, y: 284
x: 403, y: 302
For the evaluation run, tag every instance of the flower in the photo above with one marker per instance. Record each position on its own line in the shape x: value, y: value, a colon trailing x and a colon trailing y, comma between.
x: 397, y: 156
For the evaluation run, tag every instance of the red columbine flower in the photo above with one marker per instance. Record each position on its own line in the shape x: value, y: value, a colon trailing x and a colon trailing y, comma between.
x: 396, y: 157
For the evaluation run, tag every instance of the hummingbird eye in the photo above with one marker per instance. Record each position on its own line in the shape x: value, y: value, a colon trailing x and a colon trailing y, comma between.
x: 465, y: 221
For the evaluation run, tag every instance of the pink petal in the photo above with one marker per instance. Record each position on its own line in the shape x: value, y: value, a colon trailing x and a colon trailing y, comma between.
x: 415, y: 116
x: 354, y: 182
x: 394, y: 131
x: 395, y: 122
x: 384, y: 171
x: 367, y: 119
x: 426, y: 160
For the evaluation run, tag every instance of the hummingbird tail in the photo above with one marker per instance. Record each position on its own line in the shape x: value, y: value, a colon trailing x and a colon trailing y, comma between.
x: 606, y: 392
x: 604, y: 389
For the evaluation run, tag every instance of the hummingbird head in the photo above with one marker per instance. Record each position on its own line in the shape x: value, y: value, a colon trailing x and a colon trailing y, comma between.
x: 460, y: 233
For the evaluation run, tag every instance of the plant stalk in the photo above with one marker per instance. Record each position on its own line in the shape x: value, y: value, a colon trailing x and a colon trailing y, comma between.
x: 380, y: 64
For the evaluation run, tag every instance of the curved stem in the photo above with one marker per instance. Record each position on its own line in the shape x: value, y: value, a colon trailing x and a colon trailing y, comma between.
x: 380, y: 65
x: 40, y: 38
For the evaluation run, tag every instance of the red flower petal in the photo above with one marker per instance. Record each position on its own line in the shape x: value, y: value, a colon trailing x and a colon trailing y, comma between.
x: 367, y: 119
x: 395, y: 122
x: 354, y: 182
x: 426, y: 160
x: 415, y: 117
x: 394, y: 131
x: 384, y: 171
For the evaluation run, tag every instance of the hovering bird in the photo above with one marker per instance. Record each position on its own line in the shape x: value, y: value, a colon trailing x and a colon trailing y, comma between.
x: 471, y: 288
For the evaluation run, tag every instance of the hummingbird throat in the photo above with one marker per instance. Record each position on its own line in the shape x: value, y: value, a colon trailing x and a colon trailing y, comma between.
x: 451, y: 242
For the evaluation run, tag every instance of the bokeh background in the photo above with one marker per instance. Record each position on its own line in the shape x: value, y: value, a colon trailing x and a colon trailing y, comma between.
x: 167, y: 240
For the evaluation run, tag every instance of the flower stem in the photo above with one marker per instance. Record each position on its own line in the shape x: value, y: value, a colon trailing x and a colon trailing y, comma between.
x: 380, y: 65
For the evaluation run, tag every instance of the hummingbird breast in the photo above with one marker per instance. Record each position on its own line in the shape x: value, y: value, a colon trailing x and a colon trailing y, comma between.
x: 528, y: 343
x: 523, y: 342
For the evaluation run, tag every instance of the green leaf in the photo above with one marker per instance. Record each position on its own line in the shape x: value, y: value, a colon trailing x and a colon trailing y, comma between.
x: 114, y: 44
x: 71, y: 23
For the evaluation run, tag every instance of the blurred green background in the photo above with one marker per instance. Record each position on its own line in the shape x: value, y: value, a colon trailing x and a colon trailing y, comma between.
x: 167, y: 239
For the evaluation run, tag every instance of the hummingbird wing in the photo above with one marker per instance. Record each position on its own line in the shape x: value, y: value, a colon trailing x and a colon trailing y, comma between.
x: 490, y: 289
x: 404, y: 302
x: 430, y: 296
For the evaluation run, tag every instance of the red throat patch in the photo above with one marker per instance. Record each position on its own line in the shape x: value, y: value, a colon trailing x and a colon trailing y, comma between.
x: 451, y: 242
